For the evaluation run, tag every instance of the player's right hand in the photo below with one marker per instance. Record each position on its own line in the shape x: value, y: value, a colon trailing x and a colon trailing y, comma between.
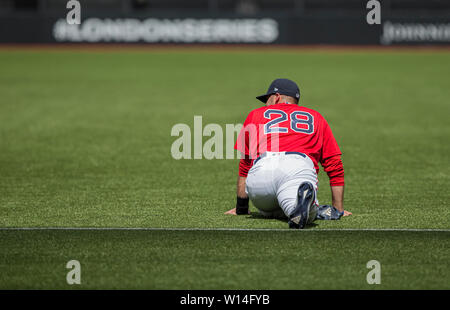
x: 233, y: 211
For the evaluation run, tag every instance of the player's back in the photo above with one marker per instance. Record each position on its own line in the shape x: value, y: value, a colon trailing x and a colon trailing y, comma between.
x: 287, y: 127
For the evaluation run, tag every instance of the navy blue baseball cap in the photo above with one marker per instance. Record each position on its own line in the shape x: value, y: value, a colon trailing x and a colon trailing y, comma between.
x: 283, y: 87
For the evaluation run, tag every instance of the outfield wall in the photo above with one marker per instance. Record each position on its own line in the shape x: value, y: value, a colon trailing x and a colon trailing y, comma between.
x: 296, y: 30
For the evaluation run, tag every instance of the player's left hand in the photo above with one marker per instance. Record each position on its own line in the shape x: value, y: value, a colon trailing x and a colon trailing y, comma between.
x: 233, y: 211
x: 328, y: 212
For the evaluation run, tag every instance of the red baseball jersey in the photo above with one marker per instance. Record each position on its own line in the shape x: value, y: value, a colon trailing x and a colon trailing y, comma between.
x: 287, y: 127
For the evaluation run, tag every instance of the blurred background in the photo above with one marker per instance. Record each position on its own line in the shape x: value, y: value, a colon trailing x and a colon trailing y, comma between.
x: 406, y: 22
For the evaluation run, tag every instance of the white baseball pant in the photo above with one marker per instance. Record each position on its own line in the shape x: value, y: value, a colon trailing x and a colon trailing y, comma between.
x: 273, y: 181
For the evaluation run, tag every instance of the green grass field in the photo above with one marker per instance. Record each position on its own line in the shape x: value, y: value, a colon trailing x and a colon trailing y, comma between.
x: 224, y: 260
x: 85, y: 142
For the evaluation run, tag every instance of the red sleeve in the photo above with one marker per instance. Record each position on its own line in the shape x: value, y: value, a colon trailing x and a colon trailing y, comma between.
x: 331, y: 157
x: 244, y: 166
x: 335, y: 170
x: 242, y: 145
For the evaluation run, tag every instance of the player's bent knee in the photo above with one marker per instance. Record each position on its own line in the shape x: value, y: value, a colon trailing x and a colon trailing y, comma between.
x: 265, y: 203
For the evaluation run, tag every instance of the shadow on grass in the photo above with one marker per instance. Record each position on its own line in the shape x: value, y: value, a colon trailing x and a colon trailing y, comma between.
x: 259, y: 216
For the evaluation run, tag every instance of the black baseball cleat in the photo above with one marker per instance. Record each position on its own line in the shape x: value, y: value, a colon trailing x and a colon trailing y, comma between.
x: 300, y: 215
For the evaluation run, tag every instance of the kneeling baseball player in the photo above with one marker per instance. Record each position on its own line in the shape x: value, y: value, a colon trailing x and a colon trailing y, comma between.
x: 282, y: 144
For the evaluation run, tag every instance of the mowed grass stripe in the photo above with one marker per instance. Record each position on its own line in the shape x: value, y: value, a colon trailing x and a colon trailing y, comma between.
x: 223, y: 259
